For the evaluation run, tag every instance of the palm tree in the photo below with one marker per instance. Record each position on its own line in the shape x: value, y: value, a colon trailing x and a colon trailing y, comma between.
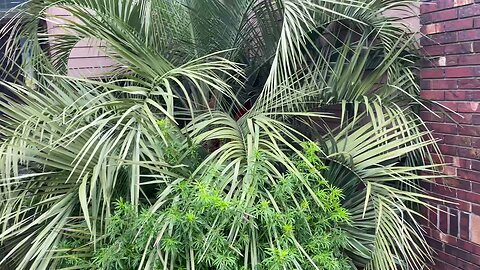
x: 249, y: 80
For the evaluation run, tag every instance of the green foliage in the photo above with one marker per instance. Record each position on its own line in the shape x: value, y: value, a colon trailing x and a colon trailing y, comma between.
x: 203, y: 222
x: 220, y: 181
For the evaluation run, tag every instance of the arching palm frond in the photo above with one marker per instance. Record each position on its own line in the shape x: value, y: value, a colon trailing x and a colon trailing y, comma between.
x: 368, y: 162
x: 208, y: 96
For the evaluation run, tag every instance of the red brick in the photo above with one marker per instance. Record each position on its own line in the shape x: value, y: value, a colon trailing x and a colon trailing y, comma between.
x: 434, y: 28
x: 455, y: 203
x: 463, y: 205
x: 431, y: 73
x: 468, y: 59
x: 472, y: 95
x: 457, y: 140
x: 443, y: 219
x: 427, y: 7
x: 459, y: 48
x: 451, y: 60
x: 444, y: 38
x: 476, y: 209
x: 452, y: 78
x: 449, y: 104
x: 468, y: 83
x: 473, y: 34
x: 448, y: 239
x: 476, y: 119
x: 444, y: 15
x: 441, y: 265
x: 437, y: 136
x: 469, y: 175
x: 454, y: 182
x: 469, y: 130
x: 428, y: 116
x: 450, y: 171
x: 469, y: 11
x: 468, y: 107
x: 459, y: 119
x: 425, y: 18
x: 439, y: 38
x: 424, y: 211
x: 446, y: 159
x: 474, y: 198
x: 425, y: 84
x: 434, y: 243
x: 438, y: 234
x: 475, y: 165
x: 444, y: 4
x: 460, y: 72
x: 444, y: 190
x: 443, y: 128
x: 463, y: 265
x: 465, y: 195
x: 455, y: 95
x: 457, y: 3
x: 468, y: 246
x: 433, y: 50
x: 456, y: 252
x: 448, y: 149
x: 444, y: 198
x: 433, y: 216
x: 459, y: 204
x: 440, y: 84
x: 464, y: 226
x: 476, y: 143
x: 462, y: 162
x: 468, y: 153
x: 462, y: 24
x: 426, y: 41
x: 476, y: 187
x: 464, y: 255
x: 439, y: 61
x: 427, y: 63
x: 433, y: 95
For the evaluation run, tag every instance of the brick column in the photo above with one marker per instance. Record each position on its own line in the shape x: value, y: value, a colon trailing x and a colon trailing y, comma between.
x: 452, y: 77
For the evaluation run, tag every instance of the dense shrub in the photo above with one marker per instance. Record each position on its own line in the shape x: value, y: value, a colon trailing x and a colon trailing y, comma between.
x: 202, y: 221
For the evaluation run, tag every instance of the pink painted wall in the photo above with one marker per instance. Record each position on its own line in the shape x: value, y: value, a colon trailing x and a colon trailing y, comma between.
x: 87, y: 59
x: 410, y: 18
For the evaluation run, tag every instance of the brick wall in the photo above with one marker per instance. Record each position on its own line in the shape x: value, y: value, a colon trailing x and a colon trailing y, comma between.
x: 452, y: 77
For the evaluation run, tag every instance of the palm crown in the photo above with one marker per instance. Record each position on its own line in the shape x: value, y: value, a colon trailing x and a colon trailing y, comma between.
x: 245, y: 81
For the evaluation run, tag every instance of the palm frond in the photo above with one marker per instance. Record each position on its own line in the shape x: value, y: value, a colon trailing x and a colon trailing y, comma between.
x: 371, y: 158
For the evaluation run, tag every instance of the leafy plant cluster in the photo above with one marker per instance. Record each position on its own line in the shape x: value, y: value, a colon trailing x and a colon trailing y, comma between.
x: 230, y: 176
x: 203, y: 222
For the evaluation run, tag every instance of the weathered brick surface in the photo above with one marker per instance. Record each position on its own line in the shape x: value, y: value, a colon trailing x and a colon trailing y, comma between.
x: 451, y: 77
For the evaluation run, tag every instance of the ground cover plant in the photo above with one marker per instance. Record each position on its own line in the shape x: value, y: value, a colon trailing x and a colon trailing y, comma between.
x: 207, y: 147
